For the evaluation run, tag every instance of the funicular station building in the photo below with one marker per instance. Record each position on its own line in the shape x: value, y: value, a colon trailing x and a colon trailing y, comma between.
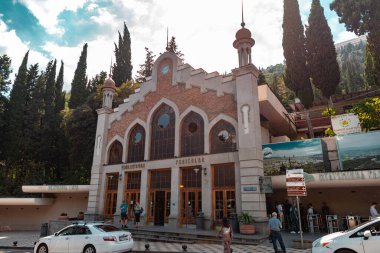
x: 187, y: 142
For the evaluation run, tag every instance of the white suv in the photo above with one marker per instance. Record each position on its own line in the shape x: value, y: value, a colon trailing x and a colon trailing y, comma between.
x: 364, y: 238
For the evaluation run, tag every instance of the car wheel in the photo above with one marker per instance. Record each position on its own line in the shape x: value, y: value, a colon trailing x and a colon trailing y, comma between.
x: 88, y: 249
x: 42, y: 249
x: 345, y: 251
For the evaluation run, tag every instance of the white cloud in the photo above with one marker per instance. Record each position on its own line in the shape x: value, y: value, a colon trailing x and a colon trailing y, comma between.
x: 47, y: 12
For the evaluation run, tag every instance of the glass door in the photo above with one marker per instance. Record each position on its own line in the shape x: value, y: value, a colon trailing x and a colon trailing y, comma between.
x: 111, y: 195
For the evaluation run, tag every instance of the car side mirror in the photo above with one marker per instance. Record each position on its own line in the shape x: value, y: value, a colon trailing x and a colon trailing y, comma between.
x: 56, y: 234
x: 367, y: 234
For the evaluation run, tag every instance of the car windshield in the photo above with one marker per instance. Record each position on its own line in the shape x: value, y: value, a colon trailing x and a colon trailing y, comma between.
x: 107, y: 228
x: 359, y: 225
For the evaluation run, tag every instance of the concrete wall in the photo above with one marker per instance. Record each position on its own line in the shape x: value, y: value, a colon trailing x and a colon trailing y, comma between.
x: 31, y: 217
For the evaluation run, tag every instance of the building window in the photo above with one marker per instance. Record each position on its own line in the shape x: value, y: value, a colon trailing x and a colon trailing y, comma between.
x: 192, y: 135
x: 136, y: 146
x: 116, y: 153
x: 132, y: 189
x: 163, y: 133
x: 223, y: 138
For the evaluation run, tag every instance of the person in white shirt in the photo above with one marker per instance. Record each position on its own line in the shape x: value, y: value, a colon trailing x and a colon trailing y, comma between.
x: 280, y: 211
x: 374, y: 213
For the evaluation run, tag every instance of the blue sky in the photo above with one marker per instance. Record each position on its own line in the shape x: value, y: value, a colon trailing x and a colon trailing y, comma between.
x: 204, y: 30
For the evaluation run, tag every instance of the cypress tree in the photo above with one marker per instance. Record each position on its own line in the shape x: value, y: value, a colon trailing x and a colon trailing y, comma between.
x: 122, y: 69
x: 78, y: 85
x: 370, y: 78
x: 15, y: 121
x: 59, y: 95
x: 296, y: 74
x: 321, y: 53
x: 146, y: 68
x: 5, y: 71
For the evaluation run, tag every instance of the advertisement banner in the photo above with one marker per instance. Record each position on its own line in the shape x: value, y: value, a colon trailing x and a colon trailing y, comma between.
x: 345, y: 124
x: 306, y: 154
x: 359, y: 151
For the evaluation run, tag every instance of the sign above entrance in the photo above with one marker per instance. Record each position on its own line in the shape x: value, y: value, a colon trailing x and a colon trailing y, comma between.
x: 134, y: 166
x: 295, y: 183
x: 190, y: 160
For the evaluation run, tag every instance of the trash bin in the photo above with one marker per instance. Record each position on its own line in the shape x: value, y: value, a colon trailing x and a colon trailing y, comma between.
x: 44, y: 229
x: 200, y: 221
x: 234, y: 222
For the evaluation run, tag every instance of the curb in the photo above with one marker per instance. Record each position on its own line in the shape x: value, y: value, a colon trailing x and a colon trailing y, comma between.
x: 17, y: 247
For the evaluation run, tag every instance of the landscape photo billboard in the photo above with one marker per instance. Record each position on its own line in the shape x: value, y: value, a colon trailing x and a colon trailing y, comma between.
x: 359, y: 151
x: 305, y: 154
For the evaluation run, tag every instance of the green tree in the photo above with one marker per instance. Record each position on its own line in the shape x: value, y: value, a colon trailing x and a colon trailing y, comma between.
x: 122, y: 68
x: 173, y: 47
x: 59, y: 94
x: 78, y: 85
x: 296, y: 74
x: 368, y: 111
x: 15, y: 113
x: 96, y: 81
x: 370, y: 78
x: 5, y: 71
x: 362, y: 17
x: 321, y: 54
x: 261, y: 80
x: 146, y: 68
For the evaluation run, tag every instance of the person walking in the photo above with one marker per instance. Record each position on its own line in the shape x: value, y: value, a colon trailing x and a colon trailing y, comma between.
x: 294, y: 223
x: 226, y: 233
x: 275, y: 228
x: 123, y: 214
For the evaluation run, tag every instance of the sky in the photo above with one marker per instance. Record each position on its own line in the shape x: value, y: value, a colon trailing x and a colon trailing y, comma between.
x: 204, y: 31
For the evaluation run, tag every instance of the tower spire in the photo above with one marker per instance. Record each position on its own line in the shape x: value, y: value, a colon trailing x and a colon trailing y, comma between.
x: 167, y: 38
x: 242, y: 14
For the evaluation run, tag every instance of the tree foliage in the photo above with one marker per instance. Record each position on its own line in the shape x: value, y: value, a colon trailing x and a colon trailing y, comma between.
x: 122, y: 68
x: 173, y: 47
x: 369, y: 113
x: 362, y: 17
x: 370, y: 78
x: 78, y: 85
x: 296, y: 74
x: 321, y: 54
x: 146, y: 68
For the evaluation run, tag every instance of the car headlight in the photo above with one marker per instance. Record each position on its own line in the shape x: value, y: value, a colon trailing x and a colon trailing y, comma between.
x: 318, y: 243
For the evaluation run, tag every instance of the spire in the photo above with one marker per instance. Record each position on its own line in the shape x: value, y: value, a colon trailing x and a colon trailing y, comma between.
x: 110, y: 75
x: 242, y: 14
x: 167, y: 38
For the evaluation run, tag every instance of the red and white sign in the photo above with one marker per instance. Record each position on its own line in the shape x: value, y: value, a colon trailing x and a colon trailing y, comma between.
x: 295, y: 183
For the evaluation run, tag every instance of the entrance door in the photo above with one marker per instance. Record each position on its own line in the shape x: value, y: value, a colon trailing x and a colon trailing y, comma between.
x: 224, y: 203
x: 159, y: 208
x: 191, y: 204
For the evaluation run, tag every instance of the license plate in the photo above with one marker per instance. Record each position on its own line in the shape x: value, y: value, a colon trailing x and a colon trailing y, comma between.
x: 123, y: 238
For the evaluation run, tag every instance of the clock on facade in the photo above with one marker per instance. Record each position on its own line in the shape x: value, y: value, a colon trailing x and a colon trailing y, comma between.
x: 165, y: 69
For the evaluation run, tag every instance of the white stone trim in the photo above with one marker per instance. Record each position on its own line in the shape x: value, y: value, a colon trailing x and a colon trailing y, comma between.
x: 120, y: 139
x: 204, y: 116
x: 149, y: 128
x: 127, y: 132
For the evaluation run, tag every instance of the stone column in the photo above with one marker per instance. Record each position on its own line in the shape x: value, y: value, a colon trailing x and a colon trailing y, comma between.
x: 174, y: 197
x: 95, y: 207
x: 120, y: 197
x: 207, y: 196
x: 144, y: 195
x: 250, y: 154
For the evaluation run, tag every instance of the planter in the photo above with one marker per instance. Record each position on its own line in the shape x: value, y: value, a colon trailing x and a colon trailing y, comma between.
x: 247, y: 229
x: 307, y: 244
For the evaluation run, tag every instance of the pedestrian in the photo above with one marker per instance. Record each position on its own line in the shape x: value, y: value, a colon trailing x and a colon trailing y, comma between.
x: 325, y: 210
x: 310, y: 217
x: 138, y: 211
x: 372, y: 210
x: 123, y: 214
x: 280, y: 211
x: 286, y: 210
x: 226, y: 234
x: 275, y: 228
x: 294, y: 227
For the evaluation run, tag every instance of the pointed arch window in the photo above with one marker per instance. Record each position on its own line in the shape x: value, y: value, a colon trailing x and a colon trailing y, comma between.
x: 163, y: 133
x: 116, y: 153
x: 192, y: 135
x: 223, y: 138
x: 136, y: 144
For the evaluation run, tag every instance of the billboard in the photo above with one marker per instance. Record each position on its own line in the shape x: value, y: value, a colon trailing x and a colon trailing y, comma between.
x: 359, y: 151
x: 345, y: 124
x: 305, y: 154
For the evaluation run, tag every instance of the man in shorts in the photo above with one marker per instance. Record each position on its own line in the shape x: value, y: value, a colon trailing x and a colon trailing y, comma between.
x: 124, y: 214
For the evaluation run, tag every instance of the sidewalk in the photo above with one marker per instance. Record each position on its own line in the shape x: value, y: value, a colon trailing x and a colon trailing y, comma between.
x: 26, y: 239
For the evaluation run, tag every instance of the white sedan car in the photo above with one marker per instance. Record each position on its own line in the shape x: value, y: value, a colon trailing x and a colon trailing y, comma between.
x: 364, y: 238
x: 86, y: 238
